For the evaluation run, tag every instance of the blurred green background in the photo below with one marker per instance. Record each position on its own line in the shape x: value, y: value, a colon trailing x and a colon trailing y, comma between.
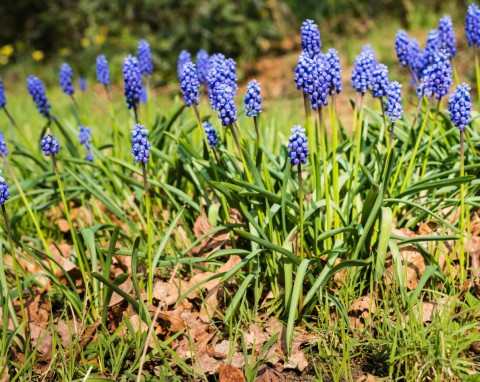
x: 37, y: 35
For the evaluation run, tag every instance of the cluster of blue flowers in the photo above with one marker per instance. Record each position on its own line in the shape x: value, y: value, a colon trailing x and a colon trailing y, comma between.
x: 37, y: 91
x: 145, y: 58
x: 380, y: 81
x: 103, y: 72
x: 49, y: 145
x: 301, y: 70
x: 333, y: 72
x: 66, y: 79
x: 4, y: 194
x: 364, y: 66
x: 311, y: 42
x: 132, y: 81
x: 317, y: 84
x: 472, y: 25
x: 140, y: 144
x: 3, y: 99
x: 460, y: 106
x: 211, y: 134
x: 394, y: 109
x: 85, y: 137
x: 298, y: 146
x: 446, y: 36
x: 253, y: 99
x: 189, y: 84
x: 438, y: 76
x: 225, y: 104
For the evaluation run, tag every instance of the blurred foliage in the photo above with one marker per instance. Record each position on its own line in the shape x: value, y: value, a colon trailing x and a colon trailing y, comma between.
x: 39, y: 31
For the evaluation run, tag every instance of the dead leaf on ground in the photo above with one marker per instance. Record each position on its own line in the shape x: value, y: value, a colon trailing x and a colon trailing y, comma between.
x: 229, y: 373
x: 367, y: 378
x: 361, y: 311
x: 267, y: 374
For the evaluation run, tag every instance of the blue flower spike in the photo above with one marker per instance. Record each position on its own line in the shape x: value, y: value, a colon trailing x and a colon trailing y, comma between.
x: 298, y: 146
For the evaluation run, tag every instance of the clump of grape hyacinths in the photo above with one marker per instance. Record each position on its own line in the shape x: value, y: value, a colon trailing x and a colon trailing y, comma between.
x: 49, y: 145
x: 225, y: 104
x: 37, y: 91
x: 183, y: 58
x: 103, y: 72
x: 311, y: 42
x: 85, y: 137
x: 380, y: 81
x: 431, y: 49
x: 203, y: 66
x: 3, y: 145
x: 460, y: 106
x: 472, y: 25
x: 140, y: 144
x: 333, y: 72
x: 3, y: 99
x: 132, y: 81
x: 446, y: 36
x: 438, y: 76
x: 363, y: 70
x: 211, y: 134
x: 4, y: 193
x: 394, y: 109
x: 253, y: 99
x: 145, y: 58
x: 298, y: 146
x: 66, y: 79
x: 189, y: 84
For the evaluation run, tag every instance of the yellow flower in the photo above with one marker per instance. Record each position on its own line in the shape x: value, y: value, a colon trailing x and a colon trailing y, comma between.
x: 38, y: 55
x: 64, y: 52
x: 7, y: 50
x: 100, y: 39
x: 85, y: 42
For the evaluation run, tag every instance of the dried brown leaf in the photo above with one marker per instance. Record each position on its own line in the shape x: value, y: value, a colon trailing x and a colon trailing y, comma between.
x: 127, y: 287
x: 229, y: 373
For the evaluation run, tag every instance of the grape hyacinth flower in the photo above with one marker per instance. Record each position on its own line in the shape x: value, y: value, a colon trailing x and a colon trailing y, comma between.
x: 225, y: 104
x: 66, y: 79
x: 211, y: 134
x: 394, y: 109
x: 460, y: 106
x: 363, y: 70
x: 333, y: 72
x: 253, y: 100
x: 3, y: 145
x: 37, y: 91
x: 3, y: 99
x: 82, y: 84
x: 203, y: 66
x: 49, y: 145
x: 85, y: 137
x: 189, y: 84
x: 446, y: 36
x: 301, y: 71
x: 183, y: 58
x: 298, y: 146
x: 231, y: 73
x: 145, y: 58
x: 311, y: 42
x: 317, y: 85
x: 4, y: 194
x: 132, y: 81
x: 402, y: 47
x: 140, y: 144
x: 438, y: 76
x: 380, y: 81
x: 103, y: 72
x: 472, y: 25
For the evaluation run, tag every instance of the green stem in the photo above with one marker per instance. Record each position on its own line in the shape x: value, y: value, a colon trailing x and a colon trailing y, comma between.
x: 358, y: 146
x: 462, y: 210
x: 151, y: 271
x: 392, y: 133
x: 326, y: 185
x: 306, y: 105
x: 385, y: 128
x: 300, y: 252
x: 477, y: 74
x: 336, y: 195
x: 257, y: 131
